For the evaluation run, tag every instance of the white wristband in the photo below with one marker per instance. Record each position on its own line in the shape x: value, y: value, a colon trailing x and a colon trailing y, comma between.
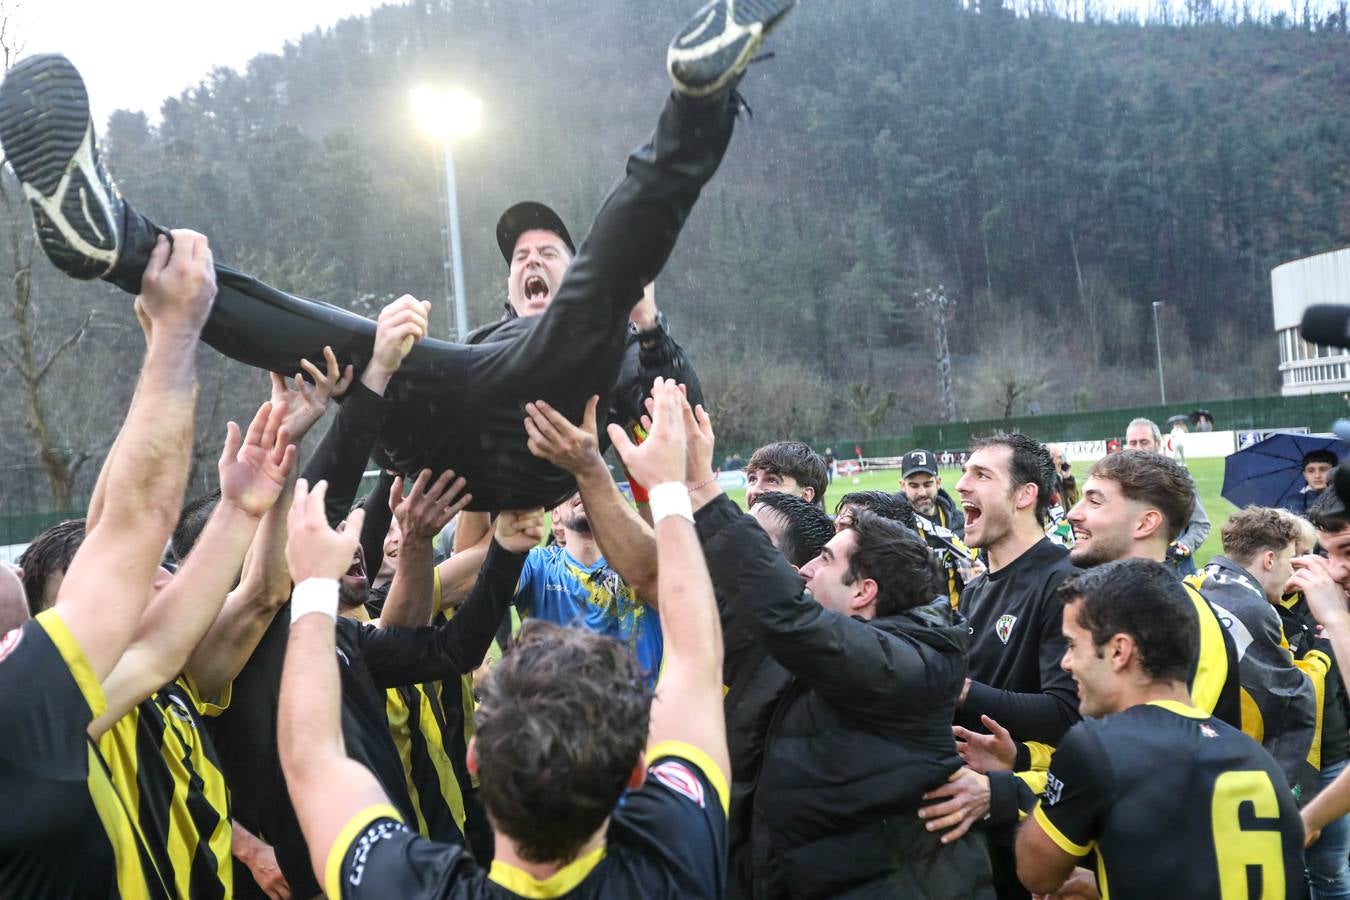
x: 670, y: 499
x: 314, y: 595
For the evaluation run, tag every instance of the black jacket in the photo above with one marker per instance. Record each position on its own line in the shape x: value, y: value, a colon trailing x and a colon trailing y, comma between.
x: 862, y: 730
x: 647, y: 356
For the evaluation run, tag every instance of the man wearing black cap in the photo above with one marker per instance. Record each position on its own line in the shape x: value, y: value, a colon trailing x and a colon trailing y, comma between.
x: 451, y: 406
x: 538, y: 249
x: 921, y: 483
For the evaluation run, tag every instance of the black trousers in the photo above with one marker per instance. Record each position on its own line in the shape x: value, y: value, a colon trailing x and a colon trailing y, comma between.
x: 461, y: 406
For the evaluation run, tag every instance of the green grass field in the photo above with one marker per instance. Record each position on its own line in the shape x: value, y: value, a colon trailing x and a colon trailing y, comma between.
x: 1208, y: 475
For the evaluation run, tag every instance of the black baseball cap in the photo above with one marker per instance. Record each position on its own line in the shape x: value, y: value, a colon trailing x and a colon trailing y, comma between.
x: 918, y: 461
x: 528, y: 216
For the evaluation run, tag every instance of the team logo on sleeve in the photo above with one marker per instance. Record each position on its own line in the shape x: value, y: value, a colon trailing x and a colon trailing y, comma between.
x: 1054, y: 789
x: 1208, y: 730
x: 1004, y: 626
x: 679, y: 779
x: 10, y: 641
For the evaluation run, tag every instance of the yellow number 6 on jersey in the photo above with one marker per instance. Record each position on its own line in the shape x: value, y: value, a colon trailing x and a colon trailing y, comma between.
x: 1236, y: 849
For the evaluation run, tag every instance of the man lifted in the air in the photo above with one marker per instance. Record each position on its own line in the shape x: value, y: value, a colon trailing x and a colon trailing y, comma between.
x: 454, y: 406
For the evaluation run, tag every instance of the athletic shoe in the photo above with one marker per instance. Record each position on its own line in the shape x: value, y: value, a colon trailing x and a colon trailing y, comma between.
x: 48, y: 137
x: 715, y: 46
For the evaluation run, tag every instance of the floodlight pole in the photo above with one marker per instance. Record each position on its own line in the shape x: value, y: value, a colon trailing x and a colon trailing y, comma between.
x: 1157, y: 342
x: 456, y: 260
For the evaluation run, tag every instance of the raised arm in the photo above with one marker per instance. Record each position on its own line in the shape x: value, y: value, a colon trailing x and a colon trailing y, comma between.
x: 107, y: 586
x: 265, y: 584
x: 688, y: 703
x: 327, y: 788
x: 626, y: 541
x: 397, y: 656
x: 341, y: 456
x: 421, y: 515
x: 253, y: 471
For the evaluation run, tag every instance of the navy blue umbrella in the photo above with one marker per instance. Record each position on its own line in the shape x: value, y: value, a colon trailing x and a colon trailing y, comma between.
x: 1270, y: 473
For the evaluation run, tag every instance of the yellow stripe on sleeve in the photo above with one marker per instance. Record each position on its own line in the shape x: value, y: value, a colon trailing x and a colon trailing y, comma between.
x: 1052, y: 832
x: 702, y: 761
x: 332, y: 870
x: 75, y: 660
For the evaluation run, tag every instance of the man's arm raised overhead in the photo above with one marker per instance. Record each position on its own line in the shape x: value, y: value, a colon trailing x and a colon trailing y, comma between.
x: 688, y: 703
x: 108, y: 583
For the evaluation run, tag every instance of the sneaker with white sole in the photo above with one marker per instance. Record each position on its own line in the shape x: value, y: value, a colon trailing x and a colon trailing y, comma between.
x: 714, y: 47
x: 48, y: 138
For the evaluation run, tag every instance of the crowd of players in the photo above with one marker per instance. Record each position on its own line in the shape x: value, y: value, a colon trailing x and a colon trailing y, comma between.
x: 773, y: 704
x: 1023, y: 689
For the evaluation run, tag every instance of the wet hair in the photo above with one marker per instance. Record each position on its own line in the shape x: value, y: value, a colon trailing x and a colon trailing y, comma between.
x: 1030, y: 464
x: 897, y: 559
x: 797, y: 461
x: 1143, y: 599
x: 191, y: 522
x: 895, y: 507
x: 1154, y: 480
x: 49, y: 554
x: 1329, y: 513
x: 562, y: 720
x: 808, y: 529
x: 1251, y: 531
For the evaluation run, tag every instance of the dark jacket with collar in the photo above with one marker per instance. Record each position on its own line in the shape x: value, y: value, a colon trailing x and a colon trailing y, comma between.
x: 647, y: 356
x: 861, y: 731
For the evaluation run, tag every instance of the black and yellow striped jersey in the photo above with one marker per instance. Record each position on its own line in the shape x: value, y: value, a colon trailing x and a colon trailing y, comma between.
x: 64, y: 829
x: 165, y: 768
x: 427, y: 723
x: 431, y: 724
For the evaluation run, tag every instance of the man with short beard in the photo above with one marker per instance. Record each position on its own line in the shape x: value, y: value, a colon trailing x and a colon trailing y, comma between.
x: 922, y: 486
x: 572, y: 584
x: 1134, y: 504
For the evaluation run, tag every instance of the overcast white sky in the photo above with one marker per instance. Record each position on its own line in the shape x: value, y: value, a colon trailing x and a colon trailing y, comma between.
x: 135, y: 53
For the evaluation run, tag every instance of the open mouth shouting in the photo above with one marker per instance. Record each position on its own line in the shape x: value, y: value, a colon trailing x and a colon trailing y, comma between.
x: 536, y: 291
x: 972, y: 512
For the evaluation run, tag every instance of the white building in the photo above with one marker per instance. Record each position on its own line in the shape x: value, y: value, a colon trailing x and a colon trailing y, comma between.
x: 1310, y: 368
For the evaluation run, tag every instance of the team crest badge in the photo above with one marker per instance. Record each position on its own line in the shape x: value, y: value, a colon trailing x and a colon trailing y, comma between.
x: 680, y: 780
x: 1208, y: 730
x: 1004, y: 626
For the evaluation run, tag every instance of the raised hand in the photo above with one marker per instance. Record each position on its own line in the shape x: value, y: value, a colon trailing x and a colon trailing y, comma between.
x: 1326, y: 598
x: 401, y: 324
x: 429, y: 506
x: 552, y: 437
x: 178, y: 287
x: 314, y: 550
x: 518, y: 530
x: 661, y: 457
x: 305, y: 405
x: 985, y: 753
x: 253, y: 469
x: 700, y: 440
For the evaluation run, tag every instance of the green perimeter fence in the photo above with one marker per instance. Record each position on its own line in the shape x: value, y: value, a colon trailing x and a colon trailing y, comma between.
x: 1315, y: 411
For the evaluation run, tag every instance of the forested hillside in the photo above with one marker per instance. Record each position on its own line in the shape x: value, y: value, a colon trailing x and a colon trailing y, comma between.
x: 1052, y: 177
